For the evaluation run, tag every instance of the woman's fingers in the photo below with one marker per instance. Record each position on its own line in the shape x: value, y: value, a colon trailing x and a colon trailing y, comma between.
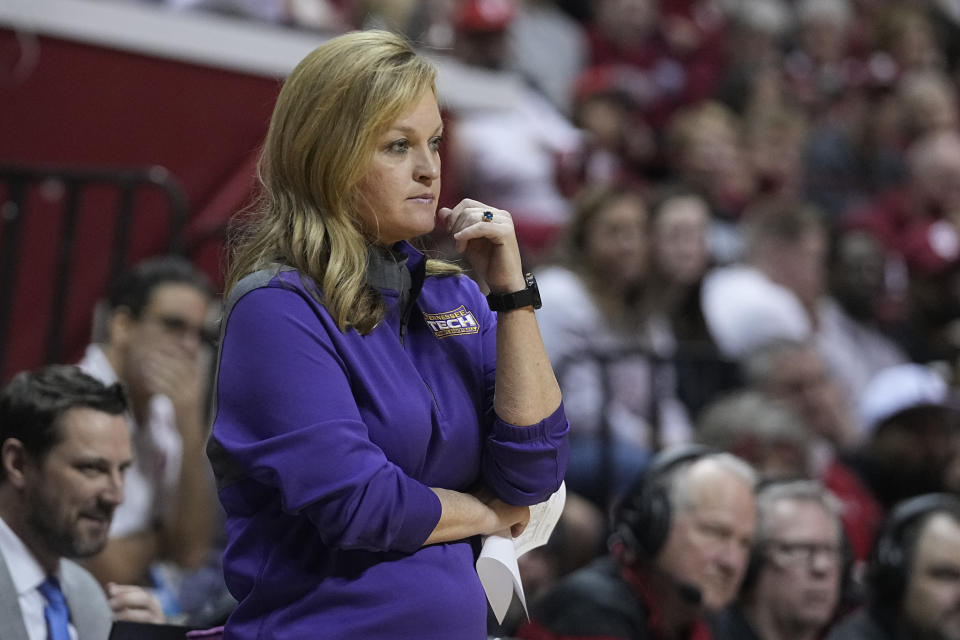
x: 467, y: 212
x: 492, y: 231
x: 466, y: 223
x: 462, y: 217
x: 486, y: 237
x: 510, y: 516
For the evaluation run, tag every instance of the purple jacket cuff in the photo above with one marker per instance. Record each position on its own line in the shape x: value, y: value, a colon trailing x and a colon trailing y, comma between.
x: 525, y: 465
x: 419, y: 520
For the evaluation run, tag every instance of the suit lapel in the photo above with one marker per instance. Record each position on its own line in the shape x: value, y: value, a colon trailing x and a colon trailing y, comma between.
x: 86, y: 618
x: 11, y: 618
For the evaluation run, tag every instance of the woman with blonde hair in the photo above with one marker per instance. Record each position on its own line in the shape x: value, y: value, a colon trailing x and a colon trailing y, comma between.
x: 374, y: 415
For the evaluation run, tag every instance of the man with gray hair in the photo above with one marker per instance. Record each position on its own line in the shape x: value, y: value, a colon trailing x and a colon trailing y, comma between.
x: 761, y: 430
x: 793, y: 372
x: 679, y: 549
x: 793, y: 583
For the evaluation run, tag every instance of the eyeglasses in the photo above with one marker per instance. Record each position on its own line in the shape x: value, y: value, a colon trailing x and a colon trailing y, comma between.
x: 180, y: 328
x: 795, y: 554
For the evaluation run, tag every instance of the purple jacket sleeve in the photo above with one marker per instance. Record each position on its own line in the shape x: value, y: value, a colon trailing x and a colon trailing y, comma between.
x: 287, y: 416
x: 522, y: 465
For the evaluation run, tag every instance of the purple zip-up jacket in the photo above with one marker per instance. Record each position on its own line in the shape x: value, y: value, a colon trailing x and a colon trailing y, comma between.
x: 325, y: 445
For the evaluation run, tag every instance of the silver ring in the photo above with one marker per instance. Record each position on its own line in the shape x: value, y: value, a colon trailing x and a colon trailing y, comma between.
x: 487, y: 216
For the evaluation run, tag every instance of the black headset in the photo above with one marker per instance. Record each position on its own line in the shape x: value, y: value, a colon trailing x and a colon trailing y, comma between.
x: 642, y: 518
x: 891, y: 556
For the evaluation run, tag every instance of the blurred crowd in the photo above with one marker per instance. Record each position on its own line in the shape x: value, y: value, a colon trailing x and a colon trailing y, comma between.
x: 744, y: 220
x: 817, y: 141
x: 744, y: 216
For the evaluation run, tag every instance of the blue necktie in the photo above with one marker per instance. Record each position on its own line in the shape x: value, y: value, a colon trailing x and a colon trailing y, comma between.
x: 56, y: 611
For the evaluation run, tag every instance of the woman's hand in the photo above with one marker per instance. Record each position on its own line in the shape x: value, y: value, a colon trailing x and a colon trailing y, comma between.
x: 490, y: 246
x: 509, y: 517
x: 479, y: 513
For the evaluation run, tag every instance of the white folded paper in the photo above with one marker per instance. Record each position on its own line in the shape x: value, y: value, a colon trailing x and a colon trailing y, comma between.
x: 497, y: 564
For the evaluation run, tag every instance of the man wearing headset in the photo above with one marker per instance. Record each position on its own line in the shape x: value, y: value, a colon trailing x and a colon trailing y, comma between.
x: 913, y: 576
x: 793, y: 582
x: 679, y: 549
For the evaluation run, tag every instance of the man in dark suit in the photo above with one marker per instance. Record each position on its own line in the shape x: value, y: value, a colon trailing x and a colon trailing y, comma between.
x: 64, y: 447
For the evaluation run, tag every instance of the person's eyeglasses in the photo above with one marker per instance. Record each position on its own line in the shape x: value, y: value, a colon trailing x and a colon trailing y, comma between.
x: 794, y: 554
x: 181, y: 328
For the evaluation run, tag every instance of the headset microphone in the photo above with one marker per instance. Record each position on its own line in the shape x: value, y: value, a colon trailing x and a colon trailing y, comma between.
x: 690, y: 593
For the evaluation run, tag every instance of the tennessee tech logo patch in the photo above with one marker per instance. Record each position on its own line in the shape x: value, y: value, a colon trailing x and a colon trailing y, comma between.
x: 452, y: 323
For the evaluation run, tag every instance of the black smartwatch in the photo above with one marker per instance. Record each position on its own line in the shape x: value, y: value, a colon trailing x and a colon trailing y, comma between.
x: 524, y: 298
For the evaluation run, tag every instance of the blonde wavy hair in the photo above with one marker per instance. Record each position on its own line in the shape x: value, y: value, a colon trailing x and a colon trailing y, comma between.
x: 328, y: 117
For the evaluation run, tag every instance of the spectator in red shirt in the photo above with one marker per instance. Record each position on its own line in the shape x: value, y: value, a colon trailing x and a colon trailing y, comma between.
x: 920, y: 221
x: 669, y: 56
